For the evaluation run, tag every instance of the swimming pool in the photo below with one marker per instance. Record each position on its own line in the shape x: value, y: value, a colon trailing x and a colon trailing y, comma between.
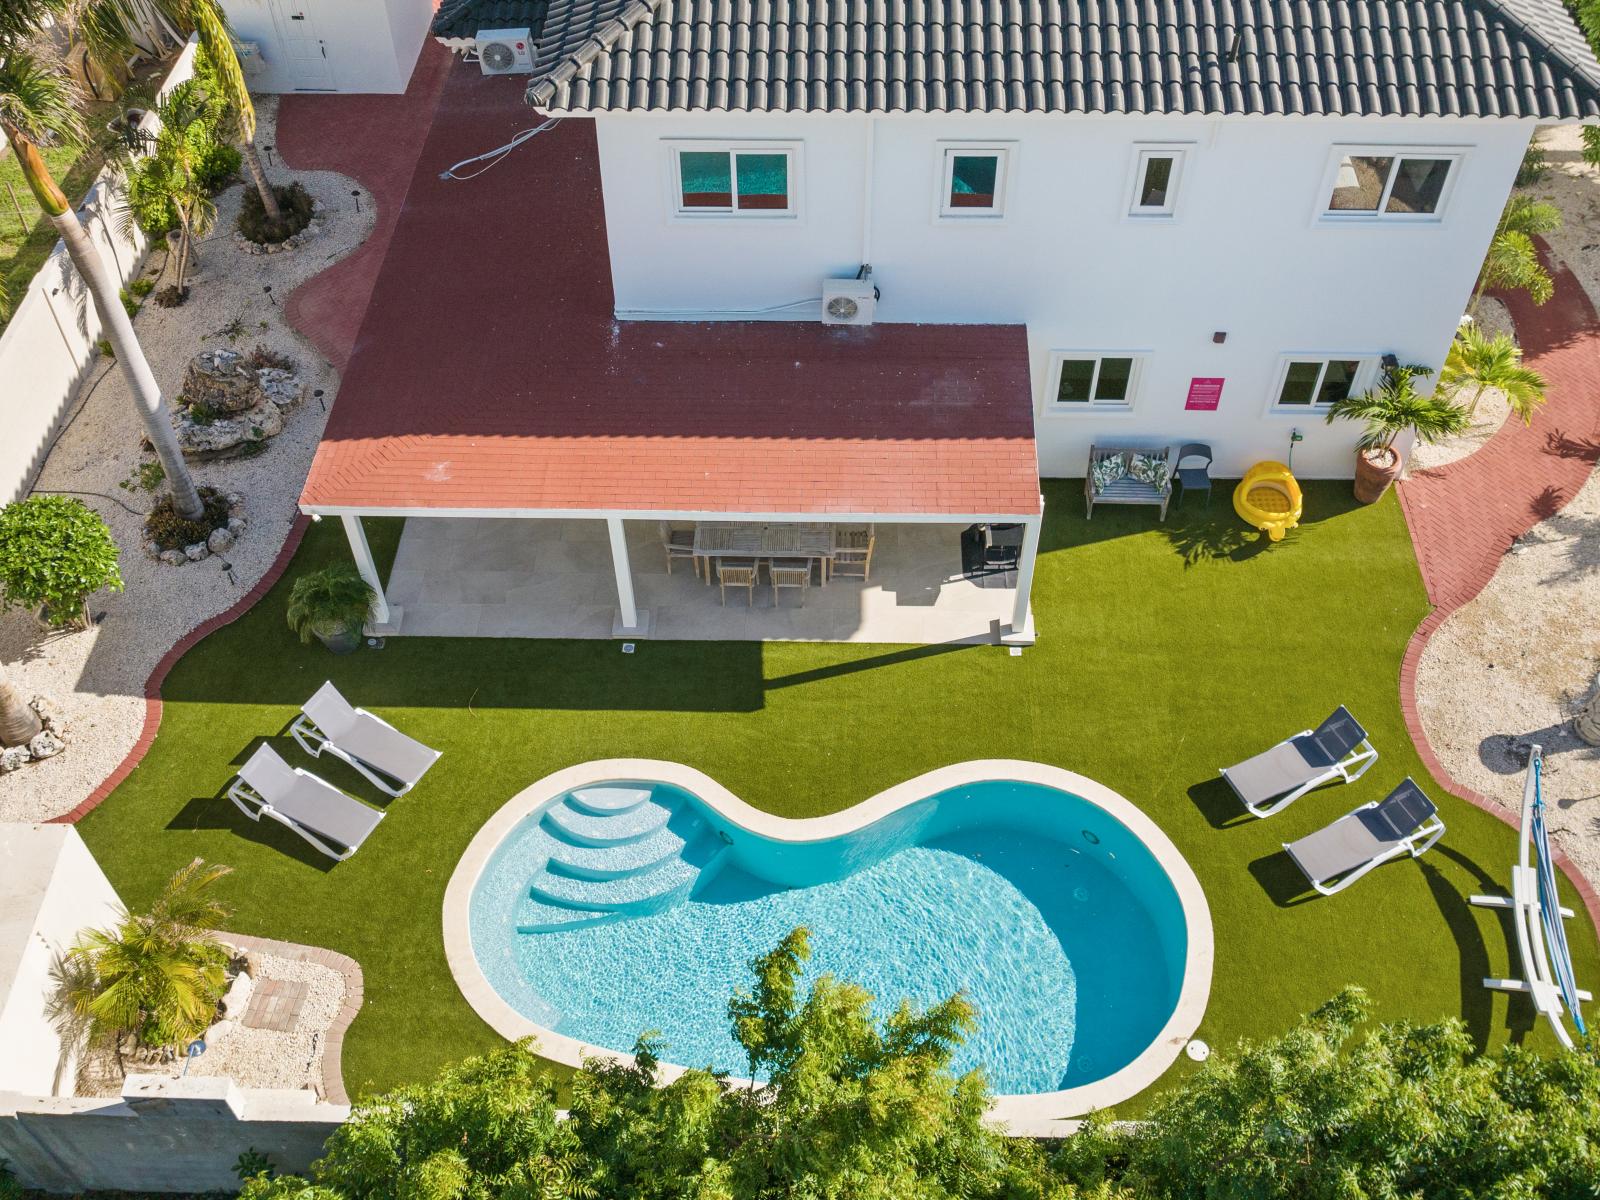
x: 603, y: 902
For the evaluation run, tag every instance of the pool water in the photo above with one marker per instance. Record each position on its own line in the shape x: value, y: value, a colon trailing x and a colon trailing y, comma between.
x: 631, y: 907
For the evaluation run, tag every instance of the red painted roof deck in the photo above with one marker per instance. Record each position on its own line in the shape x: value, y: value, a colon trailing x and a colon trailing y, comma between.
x: 489, y: 372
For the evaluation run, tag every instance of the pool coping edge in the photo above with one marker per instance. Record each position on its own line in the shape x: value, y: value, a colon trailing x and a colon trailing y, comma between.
x: 1044, y: 1114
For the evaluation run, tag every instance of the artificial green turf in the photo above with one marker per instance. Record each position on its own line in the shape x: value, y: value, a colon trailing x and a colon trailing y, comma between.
x: 1164, y: 652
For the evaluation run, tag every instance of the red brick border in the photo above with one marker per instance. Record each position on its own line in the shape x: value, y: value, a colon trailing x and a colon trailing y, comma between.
x: 1462, y: 517
x: 158, y: 676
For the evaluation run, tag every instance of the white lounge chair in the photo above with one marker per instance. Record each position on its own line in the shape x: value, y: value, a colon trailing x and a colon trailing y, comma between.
x: 1404, y: 822
x: 1337, y: 749
x: 312, y: 807
x: 392, y: 760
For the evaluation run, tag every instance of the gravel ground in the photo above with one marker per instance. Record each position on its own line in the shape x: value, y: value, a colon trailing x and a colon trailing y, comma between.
x: 1492, y: 412
x: 252, y: 1058
x: 1512, y: 666
x: 97, y: 676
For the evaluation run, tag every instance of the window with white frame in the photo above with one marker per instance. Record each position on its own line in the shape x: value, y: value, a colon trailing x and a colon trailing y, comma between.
x: 973, y: 180
x: 755, y: 180
x: 1084, y: 382
x: 1390, y: 184
x: 1158, y: 170
x: 1308, y: 382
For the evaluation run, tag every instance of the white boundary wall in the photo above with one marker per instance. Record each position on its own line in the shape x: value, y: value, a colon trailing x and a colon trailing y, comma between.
x: 161, y: 1135
x: 49, y: 346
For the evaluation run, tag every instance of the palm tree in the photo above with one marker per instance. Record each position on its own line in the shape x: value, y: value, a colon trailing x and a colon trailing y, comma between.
x: 1479, y: 361
x: 154, y: 977
x: 1513, y: 261
x: 38, y: 100
x: 206, y: 18
x: 19, y: 724
x: 170, y: 169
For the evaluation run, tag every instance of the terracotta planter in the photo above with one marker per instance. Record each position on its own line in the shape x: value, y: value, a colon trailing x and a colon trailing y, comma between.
x: 1374, y: 474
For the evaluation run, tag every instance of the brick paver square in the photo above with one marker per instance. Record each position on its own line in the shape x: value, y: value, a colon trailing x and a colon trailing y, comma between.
x: 275, y: 1004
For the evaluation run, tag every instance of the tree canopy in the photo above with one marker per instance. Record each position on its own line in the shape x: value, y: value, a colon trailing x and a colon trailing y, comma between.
x: 851, y: 1104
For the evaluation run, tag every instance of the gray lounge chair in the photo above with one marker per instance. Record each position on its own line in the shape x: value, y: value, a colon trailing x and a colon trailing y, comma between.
x: 1404, y: 822
x: 312, y: 807
x: 1276, y: 778
x: 392, y: 760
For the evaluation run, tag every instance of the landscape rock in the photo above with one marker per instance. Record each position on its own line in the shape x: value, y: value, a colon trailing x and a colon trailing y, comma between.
x: 283, y: 387
x: 237, y: 996
x: 223, y: 437
x: 13, y: 758
x: 221, y: 380
x: 219, y: 541
x: 49, y: 713
x: 173, y: 558
x: 196, y: 552
x: 151, y: 550
x: 45, y: 745
x: 237, y: 525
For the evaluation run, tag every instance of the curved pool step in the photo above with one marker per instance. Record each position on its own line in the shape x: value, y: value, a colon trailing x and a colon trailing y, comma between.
x: 608, y: 800
x: 536, y: 917
x: 568, y: 823
x: 624, y: 858
x: 645, y: 890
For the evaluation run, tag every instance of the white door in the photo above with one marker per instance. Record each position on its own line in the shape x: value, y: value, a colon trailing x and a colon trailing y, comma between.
x: 305, y: 54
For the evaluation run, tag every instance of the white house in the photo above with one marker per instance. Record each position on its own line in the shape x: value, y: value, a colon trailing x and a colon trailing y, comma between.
x: 329, y: 45
x: 888, y: 262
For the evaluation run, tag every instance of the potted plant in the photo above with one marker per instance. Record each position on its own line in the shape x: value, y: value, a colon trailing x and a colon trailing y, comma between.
x: 331, y: 605
x: 55, y: 552
x: 1387, y: 411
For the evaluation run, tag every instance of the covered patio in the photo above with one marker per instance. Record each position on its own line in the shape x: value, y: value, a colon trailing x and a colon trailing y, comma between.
x: 535, y: 444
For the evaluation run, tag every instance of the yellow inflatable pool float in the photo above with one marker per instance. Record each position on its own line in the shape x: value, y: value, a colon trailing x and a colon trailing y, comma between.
x: 1268, y: 498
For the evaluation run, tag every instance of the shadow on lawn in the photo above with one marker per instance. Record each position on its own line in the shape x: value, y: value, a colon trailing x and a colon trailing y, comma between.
x: 1477, y: 1002
x: 1219, y: 804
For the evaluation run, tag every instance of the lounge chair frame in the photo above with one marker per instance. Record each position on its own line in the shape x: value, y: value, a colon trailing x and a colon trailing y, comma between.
x: 1347, y: 770
x: 314, y: 741
x: 244, y: 796
x: 1415, y: 844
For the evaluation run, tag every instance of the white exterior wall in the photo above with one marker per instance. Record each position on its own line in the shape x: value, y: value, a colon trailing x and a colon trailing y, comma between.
x: 371, y: 45
x: 50, y: 889
x: 1246, y: 254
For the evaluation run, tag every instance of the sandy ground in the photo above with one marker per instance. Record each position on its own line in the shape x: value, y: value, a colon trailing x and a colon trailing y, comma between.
x: 97, y: 676
x: 254, y: 1058
x: 1512, y: 666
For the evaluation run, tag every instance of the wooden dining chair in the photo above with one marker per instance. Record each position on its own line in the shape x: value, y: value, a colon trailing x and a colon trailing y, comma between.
x: 737, y: 573
x: 852, y: 551
x: 679, y: 544
x: 794, y: 573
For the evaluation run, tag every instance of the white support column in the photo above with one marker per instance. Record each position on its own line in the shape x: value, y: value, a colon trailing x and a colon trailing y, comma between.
x: 630, y: 621
x: 1019, y: 633
x: 368, y: 567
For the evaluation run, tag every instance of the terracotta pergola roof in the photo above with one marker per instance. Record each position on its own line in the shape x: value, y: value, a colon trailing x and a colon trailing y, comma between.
x: 490, y: 374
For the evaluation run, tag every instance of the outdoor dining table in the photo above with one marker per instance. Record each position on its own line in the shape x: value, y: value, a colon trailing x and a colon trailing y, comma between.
x: 778, y: 539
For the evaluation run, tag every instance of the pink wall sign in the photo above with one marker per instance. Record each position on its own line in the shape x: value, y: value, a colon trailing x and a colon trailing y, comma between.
x: 1204, y: 394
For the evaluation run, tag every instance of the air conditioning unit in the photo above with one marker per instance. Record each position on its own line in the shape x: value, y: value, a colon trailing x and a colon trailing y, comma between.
x: 849, y: 301
x: 505, y: 51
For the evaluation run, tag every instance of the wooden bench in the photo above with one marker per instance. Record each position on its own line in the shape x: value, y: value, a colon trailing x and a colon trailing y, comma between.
x: 1126, y: 489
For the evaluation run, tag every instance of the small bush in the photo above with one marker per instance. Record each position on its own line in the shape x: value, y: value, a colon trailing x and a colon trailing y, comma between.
x: 1535, y: 165
x: 55, y: 551
x: 142, y: 286
x: 170, y: 531
x: 103, y: 345
x: 264, y: 356
x: 130, y: 305
x: 219, y: 167
x: 296, y: 204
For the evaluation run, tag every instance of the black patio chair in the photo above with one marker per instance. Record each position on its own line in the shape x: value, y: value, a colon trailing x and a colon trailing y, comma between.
x: 1196, y: 478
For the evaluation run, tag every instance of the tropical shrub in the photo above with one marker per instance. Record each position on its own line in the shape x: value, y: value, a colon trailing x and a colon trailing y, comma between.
x: 1513, y: 260
x: 153, y: 979
x: 1480, y: 362
x: 857, y: 1108
x: 55, y: 552
x: 170, y: 530
x: 189, y: 161
x: 1394, y: 406
x: 330, y: 602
